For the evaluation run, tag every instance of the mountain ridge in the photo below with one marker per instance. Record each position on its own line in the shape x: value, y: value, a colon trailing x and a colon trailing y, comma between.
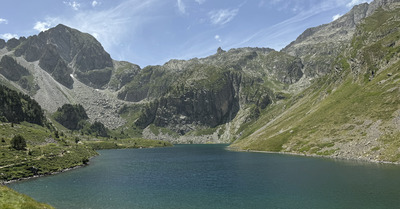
x: 219, y: 98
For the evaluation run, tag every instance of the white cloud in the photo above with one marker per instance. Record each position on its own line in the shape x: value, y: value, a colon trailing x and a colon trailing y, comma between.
x: 95, y: 3
x: 181, y: 6
x: 218, y: 38
x: 95, y: 35
x: 335, y: 17
x: 8, y: 36
x: 3, y: 21
x: 200, y: 1
x: 356, y: 2
x: 223, y: 16
x: 42, y: 26
x: 73, y: 4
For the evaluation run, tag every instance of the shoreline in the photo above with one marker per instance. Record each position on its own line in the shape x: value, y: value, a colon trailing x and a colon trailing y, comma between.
x: 5, y: 183
x: 235, y: 149
x: 317, y: 156
x: 66, y: 169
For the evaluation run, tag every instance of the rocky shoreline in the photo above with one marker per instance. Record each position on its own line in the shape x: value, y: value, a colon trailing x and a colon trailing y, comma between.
x: 354, y: 159
x: 44, y: 175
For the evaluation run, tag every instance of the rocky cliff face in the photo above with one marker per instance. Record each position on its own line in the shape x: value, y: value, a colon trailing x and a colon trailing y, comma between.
x: 2, y: 43
x: 317, y: 47
x: 62, y: 65
x: 61, y: 47
x: 208, y: 92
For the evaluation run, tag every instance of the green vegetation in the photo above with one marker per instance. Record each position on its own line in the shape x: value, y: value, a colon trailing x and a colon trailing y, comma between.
x: 18, y: 142
x: 71, y: 116
x: 10, y: 69
x: 203, y: 132
x: 16, y: 107
x: 355, y: 104
x: 48, y: 152
x: 126, y: 144
x: 29, y: 148
x: 43, y: 154
x: 10, y: 199
x: 74, y: 117
x: 157, y: 130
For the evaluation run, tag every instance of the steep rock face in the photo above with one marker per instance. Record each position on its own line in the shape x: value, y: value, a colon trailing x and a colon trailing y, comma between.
x: 124, y: 73
x: 204, y: 93
x: 52, y: 63
x: 184, y: 110
x: 150, y: 83
x: 2, y: 43
x: 12, y: 43
x: 317, y: 47
x: 10, y: 69
x: 257, y: 63
x: 68, y: 47
x: 384, y: 4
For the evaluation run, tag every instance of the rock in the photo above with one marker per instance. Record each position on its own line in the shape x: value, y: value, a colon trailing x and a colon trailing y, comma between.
x: 2, y: 43
x: 62, y: 47
x: 10, y: 69
x: 12, y: 43
x: 318, y: 47
x: 220, y: 50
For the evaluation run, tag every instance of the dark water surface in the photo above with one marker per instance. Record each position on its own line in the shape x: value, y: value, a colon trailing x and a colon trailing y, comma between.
x: 209, y: 176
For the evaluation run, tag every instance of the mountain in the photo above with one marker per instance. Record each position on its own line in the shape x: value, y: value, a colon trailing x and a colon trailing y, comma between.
x: 60, y: 66
x: 351, y: 112
x: 317, y: 47
x: 329, y: 92
x: 206, y: 93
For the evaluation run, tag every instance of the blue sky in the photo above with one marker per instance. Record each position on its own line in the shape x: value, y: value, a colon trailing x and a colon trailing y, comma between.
x: 151, y: 32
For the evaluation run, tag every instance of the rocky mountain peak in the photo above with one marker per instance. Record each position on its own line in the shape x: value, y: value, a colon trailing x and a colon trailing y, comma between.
x: 220, y: 50
x: 341, y: 29
x: 385, y: 4
x: 61, y: 48
x: 81, y: 48
x: 338, y: 31
x: 318, y: 46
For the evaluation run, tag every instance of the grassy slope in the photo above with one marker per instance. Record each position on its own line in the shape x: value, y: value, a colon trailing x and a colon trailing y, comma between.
x: 10, y: 199
x: 126, y: 144
x: 343, y: 114
x: 45, y: 153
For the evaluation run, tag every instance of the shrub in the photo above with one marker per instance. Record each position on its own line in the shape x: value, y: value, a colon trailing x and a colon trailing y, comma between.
x: 18, y: 142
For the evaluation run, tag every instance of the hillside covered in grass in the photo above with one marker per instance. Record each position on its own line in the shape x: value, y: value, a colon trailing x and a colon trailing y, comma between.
x: 11, y: 199
x: 352, y: 112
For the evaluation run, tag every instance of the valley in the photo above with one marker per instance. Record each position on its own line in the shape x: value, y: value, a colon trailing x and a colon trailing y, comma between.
x: 331, y: 92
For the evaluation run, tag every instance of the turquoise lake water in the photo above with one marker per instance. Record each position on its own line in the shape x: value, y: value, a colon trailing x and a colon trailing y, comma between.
x: 209, y: 176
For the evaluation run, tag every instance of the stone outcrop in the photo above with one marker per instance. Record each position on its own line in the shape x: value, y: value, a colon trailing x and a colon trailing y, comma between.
x: 10, y: 69
x: 317, y: 47
x: 2, y: 43
x: 60, y: 47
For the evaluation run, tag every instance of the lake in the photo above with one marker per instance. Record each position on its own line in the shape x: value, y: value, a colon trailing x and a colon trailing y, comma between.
x: 209, y: 176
